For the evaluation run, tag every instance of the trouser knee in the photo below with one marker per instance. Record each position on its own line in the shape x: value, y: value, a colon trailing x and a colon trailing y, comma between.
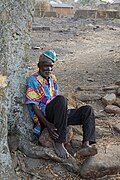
x: 88, y: 114
x: 61, y: 100
x: 89, y: 109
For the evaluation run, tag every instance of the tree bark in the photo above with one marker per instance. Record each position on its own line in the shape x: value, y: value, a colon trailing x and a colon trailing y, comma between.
x: 15, y: 25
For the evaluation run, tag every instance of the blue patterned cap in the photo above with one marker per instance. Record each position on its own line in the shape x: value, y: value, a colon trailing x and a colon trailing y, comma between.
x: 48, y: 55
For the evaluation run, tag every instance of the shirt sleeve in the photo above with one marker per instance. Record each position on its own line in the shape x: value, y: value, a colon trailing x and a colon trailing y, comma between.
x: 56, y: 88
x: 33, y: 94
x: 55, y: 85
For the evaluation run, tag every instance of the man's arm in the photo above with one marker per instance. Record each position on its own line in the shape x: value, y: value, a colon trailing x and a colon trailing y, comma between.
x: 51, y: 128
x: 39, y: 114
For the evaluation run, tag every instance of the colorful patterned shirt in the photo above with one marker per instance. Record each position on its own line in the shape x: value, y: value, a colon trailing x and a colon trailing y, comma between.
x: 40, y: 91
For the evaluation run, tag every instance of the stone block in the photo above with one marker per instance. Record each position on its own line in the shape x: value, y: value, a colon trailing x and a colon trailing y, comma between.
x: 76, y: 141
x: 118, y: 92
x: 112, y: 109
x: 117, y: 102
x: 112, y: 87
x: 109, y: 99
x: 117, y: 82
x: 117, y: 127
x: 105, y: 162
x: 46, y: 141
x: 88, y: 97
x: 94, y: 13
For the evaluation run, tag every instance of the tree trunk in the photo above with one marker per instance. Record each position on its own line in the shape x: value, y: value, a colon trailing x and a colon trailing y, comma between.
x: 15, y: 25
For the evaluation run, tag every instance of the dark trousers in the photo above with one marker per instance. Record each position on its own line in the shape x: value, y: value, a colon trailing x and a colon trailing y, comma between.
x: 57, y: 113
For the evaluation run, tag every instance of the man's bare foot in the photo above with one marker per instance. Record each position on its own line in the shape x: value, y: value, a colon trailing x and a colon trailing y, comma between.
x: 60, y: 150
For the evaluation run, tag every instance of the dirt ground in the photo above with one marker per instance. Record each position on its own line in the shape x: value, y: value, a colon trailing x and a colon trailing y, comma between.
x: 88, y: 50
x: 88, y: 53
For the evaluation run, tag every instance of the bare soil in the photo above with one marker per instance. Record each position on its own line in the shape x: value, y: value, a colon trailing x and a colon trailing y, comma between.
x: 88, y: 50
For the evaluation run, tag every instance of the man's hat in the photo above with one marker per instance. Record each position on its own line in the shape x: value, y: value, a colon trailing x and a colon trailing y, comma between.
x: 47, y: 56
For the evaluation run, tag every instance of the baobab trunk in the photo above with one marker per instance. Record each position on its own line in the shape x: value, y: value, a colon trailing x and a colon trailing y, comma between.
x: 15, y: 25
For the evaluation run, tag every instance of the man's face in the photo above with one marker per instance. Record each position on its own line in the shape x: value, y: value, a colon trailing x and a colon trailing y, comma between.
x: 45, y: 68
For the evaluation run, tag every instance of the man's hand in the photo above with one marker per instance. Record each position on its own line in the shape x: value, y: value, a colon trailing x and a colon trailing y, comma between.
x: 50, y: 127
x: 52, y: 131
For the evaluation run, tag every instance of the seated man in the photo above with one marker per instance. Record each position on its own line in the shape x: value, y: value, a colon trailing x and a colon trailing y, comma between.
x: 49, y: 109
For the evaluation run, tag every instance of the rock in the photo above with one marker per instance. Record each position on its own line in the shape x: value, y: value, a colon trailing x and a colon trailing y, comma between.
x: 109, y: 99
x: 118, y: 91
x: 78, y: 89
x: 46, y: 141
x: 112, y: 91
x: 117, y: 102
x: 37, y: 47
x: 112, y: 109
x: 91, y: 25
x: 99, y: 114
x: 88, y: 151
x: 112, y: 87
x: 101, y: 164
x: 90, y: 79
x: 117, y: 83
x: 76, y: 141
x: 111, y: 50
x: 89, y: 97
x: 117, y: 127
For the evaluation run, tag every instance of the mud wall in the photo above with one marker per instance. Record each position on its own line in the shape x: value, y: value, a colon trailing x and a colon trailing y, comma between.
x: 105, y: 14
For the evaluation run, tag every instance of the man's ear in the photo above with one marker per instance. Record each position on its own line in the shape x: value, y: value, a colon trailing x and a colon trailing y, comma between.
x: 39, y: 64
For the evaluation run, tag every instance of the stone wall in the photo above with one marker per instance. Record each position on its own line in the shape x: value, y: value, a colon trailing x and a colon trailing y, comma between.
x: 95, y: 13
x: 115, y: 6
x: 15, y: 25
